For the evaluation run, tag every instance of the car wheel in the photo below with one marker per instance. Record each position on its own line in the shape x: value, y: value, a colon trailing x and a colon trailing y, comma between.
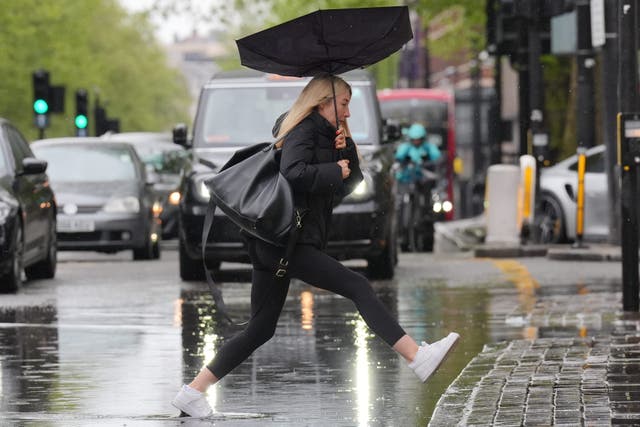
x: 383, y: 266
x: 190, y: 269
x: 550, y: 220
x: 46, y: 269
x: 403, y: 221
x: 416, y: 229
x: 427, y: 238
x: 11, y: 281
x: 156, y: 250
x: 145, y: 252
x: 424, y: 237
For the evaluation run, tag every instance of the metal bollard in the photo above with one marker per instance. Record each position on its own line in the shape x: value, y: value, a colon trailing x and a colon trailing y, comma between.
x: 501, y: 208
x: 527, y: 196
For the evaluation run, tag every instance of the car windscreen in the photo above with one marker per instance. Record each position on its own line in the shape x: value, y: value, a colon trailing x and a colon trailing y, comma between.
x: 87, y: 163
x: 162, y: 159
x: 246, y: 115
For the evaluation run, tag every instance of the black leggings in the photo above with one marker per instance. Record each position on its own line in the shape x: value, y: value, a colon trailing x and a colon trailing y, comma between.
x: 268, y: 295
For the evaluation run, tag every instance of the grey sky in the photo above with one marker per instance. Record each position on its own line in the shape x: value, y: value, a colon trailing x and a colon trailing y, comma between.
x: 180, y: 25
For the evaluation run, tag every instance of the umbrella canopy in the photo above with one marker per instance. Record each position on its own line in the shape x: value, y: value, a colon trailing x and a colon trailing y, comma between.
x: 330, y: 41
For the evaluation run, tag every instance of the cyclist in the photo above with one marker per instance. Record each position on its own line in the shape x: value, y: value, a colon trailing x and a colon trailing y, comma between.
x: 416, y: 174
x: 414, y: 153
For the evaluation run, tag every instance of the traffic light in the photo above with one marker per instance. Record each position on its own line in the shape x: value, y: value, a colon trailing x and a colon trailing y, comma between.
x: 104, y: 124
x: 41, y: 100
x: 82, y: 113
x: 100, y: 117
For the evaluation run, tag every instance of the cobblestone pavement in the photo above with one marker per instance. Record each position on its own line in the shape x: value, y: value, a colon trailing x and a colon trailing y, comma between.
x: 582, y: 368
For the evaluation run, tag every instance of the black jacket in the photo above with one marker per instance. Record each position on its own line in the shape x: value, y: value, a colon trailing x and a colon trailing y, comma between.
x: 309, y: 162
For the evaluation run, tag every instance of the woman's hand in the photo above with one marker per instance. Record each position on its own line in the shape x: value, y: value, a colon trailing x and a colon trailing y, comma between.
x: 341, y: 139
x: 344, y: 165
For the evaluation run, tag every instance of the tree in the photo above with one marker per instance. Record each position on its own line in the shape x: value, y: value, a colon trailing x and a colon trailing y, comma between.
x: 461, y: 26
x: 94, y: 45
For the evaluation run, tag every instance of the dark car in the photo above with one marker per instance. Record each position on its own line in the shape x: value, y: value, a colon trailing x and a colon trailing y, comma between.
x: 239, y: 108
x: 165, y: 161
x: 106, y: 202
x: 27, y: 213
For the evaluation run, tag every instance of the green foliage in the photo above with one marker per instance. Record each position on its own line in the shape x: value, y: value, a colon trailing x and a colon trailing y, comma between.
x: 92, y: 44
x: 464, y: 21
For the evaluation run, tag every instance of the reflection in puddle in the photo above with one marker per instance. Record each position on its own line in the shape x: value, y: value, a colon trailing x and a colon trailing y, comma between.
x: 209, y: 352
x: 28, y: 359
x: 306, y: 307
x: 518, y: 274
x: 362, y: 372
x: 325, y: 364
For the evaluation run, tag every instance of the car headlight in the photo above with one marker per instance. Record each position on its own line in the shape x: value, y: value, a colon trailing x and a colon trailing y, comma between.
x: 363, y: 190
x: 129, y: 204
x: 156, y: 208
x: 174, y: 198
x: 200, y: 188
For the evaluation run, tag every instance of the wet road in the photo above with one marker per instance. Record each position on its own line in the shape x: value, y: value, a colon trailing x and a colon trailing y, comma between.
x: 109, y: 341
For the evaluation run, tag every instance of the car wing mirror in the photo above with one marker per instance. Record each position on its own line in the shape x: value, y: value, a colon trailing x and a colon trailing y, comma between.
x: 390, y: 131
x: 33, y: 166
x: 180, y: 132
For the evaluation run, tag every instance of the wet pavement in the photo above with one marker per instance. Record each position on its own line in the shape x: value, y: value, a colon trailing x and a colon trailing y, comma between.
x: 109, y: 341
x: 580, y: 363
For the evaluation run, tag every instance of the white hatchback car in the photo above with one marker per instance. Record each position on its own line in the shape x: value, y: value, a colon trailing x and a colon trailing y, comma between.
x: 558, y: 193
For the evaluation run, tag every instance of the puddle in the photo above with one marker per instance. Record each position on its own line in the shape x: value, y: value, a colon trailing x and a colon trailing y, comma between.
x: 101, y: 359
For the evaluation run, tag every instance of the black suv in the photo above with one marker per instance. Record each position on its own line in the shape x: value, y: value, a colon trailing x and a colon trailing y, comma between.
x: 239, y: 108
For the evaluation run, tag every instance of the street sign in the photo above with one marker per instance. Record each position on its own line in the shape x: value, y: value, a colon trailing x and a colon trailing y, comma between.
x: 597, y: 23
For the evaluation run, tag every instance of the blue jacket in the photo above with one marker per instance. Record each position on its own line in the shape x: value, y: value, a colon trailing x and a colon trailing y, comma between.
x: 411, y: 159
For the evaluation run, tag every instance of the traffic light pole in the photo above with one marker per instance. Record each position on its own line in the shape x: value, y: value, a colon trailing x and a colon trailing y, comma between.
x: 585, y: 108
x: 537, y: 137
x: 609, y: 85
x: 628, y: 96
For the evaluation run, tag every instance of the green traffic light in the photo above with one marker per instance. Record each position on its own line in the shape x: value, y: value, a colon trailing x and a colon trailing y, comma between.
x: 40, y: 106
x: 81, y: 121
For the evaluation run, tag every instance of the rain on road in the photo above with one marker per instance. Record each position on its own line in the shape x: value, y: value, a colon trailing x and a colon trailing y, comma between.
x: 109, y: 341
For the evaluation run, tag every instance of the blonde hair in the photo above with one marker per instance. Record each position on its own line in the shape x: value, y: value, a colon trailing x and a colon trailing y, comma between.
x: 318, y: 91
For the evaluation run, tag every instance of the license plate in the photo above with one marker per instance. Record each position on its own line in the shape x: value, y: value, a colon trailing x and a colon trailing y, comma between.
x: 75, y: 225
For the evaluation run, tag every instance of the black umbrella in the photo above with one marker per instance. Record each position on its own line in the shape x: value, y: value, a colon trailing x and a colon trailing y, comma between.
x: 330, y: 41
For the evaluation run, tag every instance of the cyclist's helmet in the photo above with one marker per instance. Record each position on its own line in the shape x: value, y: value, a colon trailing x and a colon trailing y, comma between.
x: 417, y: 131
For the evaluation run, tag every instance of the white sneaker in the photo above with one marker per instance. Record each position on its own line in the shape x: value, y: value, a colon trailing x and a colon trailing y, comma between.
x: 192, y: 402
x: 430, y: 356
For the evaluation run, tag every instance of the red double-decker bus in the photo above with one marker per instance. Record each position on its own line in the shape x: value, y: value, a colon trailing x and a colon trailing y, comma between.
x: 433, y: 108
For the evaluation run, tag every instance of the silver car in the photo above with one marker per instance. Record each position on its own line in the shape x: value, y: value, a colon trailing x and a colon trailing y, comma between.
x: 106, y: 203
x: 558, y: 193
x: 165, y: 161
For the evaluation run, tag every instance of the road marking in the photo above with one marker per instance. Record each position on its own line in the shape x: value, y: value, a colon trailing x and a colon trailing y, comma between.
x: 520, y: 276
